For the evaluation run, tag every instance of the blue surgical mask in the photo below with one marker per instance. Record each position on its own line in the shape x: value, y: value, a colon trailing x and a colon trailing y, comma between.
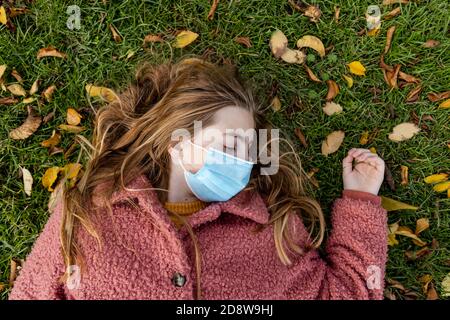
x: 220, y: 178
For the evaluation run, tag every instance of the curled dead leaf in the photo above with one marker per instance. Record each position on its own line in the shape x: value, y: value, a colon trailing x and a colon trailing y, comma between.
x: 115, y: 34
x: 27, y: 180
x: 313, y: 43
x: 278, y: 43
x: 332, y: 142
x: 71, y: 128
x: 413, y: 95
x: 53, y: 141
x: 311, y: 74
x: 431, y: 43
x: 331, y: 108
x: 50, y: 51
x: 16, y: 89
x: 293, y: 56
x: 392, y: 14
x: 244, y: 41
x: 389, y: 35
x: 333, y: 90
x: 433, y: 97
x: 404, y: 175
x: 30, y: 125
x: 73, y: 117
x: 48, y: 93
x: 49, y: 178
x: 184, y: 38
x: 101, y: 92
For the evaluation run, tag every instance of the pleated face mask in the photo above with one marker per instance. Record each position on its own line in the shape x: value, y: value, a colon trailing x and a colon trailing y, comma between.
x: 221, y: 177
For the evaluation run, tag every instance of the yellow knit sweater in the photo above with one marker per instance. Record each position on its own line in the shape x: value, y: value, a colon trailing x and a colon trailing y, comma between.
x: 183, y: 209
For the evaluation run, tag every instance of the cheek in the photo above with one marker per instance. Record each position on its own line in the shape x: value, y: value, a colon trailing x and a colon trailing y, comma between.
x: 193, y: 159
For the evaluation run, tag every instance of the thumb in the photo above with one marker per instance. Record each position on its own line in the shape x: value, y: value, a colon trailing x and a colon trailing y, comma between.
x: 347, y: 165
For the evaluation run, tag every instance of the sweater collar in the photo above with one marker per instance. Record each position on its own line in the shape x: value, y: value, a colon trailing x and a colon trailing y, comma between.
x: 247, y: 203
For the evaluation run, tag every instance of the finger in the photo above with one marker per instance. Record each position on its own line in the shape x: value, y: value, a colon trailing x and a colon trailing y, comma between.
x: 364, y: 156
x: 347, y: 165
x: 359, y: 151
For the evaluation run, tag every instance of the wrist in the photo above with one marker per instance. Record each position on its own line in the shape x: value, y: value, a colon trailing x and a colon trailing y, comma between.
x: 361, y: 195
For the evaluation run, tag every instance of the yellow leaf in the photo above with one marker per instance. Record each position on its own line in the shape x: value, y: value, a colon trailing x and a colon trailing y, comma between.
x: 436, y: 178
x: 73, y: 117
x: 357, y: 68
x: 445, y: 104
x: 52, y: 141
x: 50, y: 176
x: 313, y: 43
x: 421, y: 225
x: 102, y: 92
x: 332, y: 142
x: 392, y: 241
x: 16, y: 89
x: 364, y: 139
x: 184, y: 38
x: 2, y: 70
x: 373, y: 150
x: 349, y: 80
x: 373, y: 32
x: 441, y: 187
x: 71, y: 170
x: 3, y: 18
x: 446, y: 286
x: 71, y: 128
x: 276, y: 104
x: 405, y: 231
x: 392, y: 205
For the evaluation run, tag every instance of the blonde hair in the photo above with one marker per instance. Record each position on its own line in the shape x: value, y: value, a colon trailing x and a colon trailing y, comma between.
x: 132, y: 134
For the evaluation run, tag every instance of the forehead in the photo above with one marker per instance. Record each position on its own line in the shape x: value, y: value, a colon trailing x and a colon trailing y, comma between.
x: 233, y: 118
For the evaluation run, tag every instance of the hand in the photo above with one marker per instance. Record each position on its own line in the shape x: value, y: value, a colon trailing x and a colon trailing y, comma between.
x: 368, y: 173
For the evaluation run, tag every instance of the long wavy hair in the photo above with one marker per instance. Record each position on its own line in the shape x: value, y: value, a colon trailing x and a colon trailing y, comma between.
x: 132, y: 135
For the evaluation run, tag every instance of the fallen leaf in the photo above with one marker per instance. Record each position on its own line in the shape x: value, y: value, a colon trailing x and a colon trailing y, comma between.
x: 407, y: 77
x: 184, y: 38
x: 445, y: 104
x: 442, y: 186
x: 2, y: 69
x: 404, y: 131
x: 404, y: 175
x: 276, y: 104
x: 50, y: 176
x: 405, y: 231
x: 392, y: 228
x: 313, y: 43
x: 8, y: 101
x: 349, y: 80
x: 431, y: 43
x: 313, y: 12
x: 445, y: 284
x: 434, y: 97
x: 357, y: 68
x: 392, y: 14
x: 389, y: 2
x: 413, y: 95
x: 213, y: 9
x: 311, y: 74
x: 422, y: 224
x: 332, y: 142
x: 102, y: 92
x: 364, y: 139
x: 298, y: 132
x: 389, y: 35
x: 50, y: 51
x: 244, y: 41
x: 71, y: 128
x: 432, y: 293
x: 30, y: 125
x: 415, y: 255
x: 115, y: 34
x: 393, y: 205
x: 14, y: 12
x: 27, y: 180
x: 278, y: 43
x: 16, y: 89
x: 73, y: 117
x: 3, y: 17
x: 337, y: 11
x: 293, y: 56
x: 35, y: 87
x: 53, y: 141
x: 333, y: 90
x: 16, y: 76
x: 152, y: 38
x: 48, y: 93
x: 434, y: 178
x: 391, y: 76
x: 332, y: 108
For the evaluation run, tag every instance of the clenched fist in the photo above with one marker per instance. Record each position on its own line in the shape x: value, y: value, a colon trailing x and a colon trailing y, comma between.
x: 368, y: 173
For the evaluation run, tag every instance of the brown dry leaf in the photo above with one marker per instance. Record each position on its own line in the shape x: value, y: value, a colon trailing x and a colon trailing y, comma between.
x: 407, y: 77
x: 311, y: 74
x: 434, y: 178
x: 27, y: 180
x: 49, y: 117
x: 332, y: 142
x: 389, y: 2
x: 293, y: 56
x: 393, y: 205
x: 115, y: 34
x: 432, y: 293
x: 331, y: 108
x: 431, y: 43
x: 14, y: 12
x: 50, y: 51
x: 298, y: 132
x: 16, y: 89
x: 35, y: 87
x: 445, y: 104
x: 49, y: 178
x: 16, y: 76
x: 278, y: 43
x: 391, y: 76
x: 337, y: 11
x: 313, y: 12
x: 433, y: 97
x: 53, y: 141
x: 71, y: 128
x: 404, y: 131
x: 276, y: 104
x: 48, y: 93
x: 413, y: 95
x: 313, y: 43
x: 2, y: 70
x: 31, y: 124
x: 404, y: 175
x: 213, y: 9
x: 184, y: 38
x: 415, y: 255
x: 407, y: 232
x: 422, y: 224
x: 425, y: 280
x: 71, y: 171
x: 333, y: 90
x: 15, y: 267
x: 8, y: 101
x: 392, y: 14
x: 445, y: 284
x: 102, y: 92
x: 152, y: 38
x: 389, y: 35
x: 73, y: 117
x: 244, y: 41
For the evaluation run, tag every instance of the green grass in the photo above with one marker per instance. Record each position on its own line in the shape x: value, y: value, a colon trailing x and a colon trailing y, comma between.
x: 90, y: 60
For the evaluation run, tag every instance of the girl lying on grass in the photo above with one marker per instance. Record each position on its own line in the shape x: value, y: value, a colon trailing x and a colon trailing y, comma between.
x: 146, y: 221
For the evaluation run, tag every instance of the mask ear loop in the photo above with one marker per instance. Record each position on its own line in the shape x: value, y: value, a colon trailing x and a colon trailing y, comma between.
x: 179, y: 158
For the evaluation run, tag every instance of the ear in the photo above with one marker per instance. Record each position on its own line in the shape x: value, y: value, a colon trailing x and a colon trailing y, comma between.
x: 174, y: 149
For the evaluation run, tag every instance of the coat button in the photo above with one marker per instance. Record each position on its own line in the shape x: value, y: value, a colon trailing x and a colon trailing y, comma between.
x: 178, y: 279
